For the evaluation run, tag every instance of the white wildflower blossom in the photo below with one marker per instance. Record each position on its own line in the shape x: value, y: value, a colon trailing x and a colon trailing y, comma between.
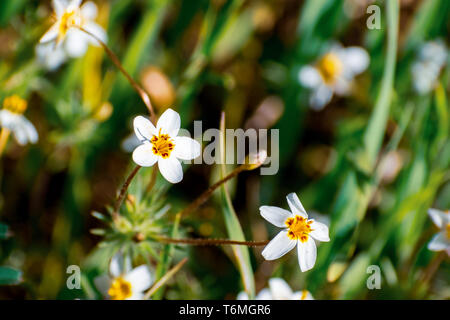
x: 162, y: 145
x: 333, y: 73
x: 298, y: 231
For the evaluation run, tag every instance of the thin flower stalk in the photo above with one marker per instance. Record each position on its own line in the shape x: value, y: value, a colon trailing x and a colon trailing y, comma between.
x: 211, y: 242
x: 142, y: 93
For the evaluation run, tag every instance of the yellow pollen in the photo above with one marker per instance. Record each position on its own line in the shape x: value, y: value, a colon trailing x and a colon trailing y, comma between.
x: 163, y: 145
x: 447, y: 231
x: 15, y: 104
x: 69, y: 19
x: 304, y: 294
x: 330, y: 67
x: 120, y: 289
x: 299, y: 228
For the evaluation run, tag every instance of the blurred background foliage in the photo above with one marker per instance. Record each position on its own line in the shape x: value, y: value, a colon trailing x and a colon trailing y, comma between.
x: 371, y: 164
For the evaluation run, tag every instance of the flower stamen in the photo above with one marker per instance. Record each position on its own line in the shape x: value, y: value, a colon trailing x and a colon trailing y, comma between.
x: 299, y: 228
x: 330, y: 67
x: 15, y: 104
x: 120, y: 289
x: 163, y: 145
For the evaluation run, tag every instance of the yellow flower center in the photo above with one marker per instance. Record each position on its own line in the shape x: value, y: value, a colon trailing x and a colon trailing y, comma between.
x: 304, y: 295
x: 163, y: 145
x: 120, y: 289
x: 69, y: 19
x: 299, y: 228
x: 15, y: 104
x: 330, y: 67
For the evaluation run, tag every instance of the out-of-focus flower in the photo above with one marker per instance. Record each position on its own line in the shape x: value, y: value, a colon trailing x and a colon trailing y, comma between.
x: 162, y: 145
x: 441, y: 241
x: 12, y: 119
x: 65, y: 31
x: 278, y: 290
x: 425, y: 71
x: 49, y: 56
x: 124, y: 283
x: 158, y: 86
x: 298, y: 231
x: 333, y: 73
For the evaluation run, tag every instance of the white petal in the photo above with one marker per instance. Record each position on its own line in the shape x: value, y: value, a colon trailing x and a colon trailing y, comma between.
x: 319, y: 231
x: 144, y: 156
x: 20, y: 133
x: 280, y: 289
x: 439, y: 242
x: 119, y: 265
x: 171, y: 169
x: 186, y: 148
x: 264, y: 294
x: 140, y: 278
x: 279, y: 246
x: 169, y: 123
x: 136, y: 296
x: 51, y: 34
x: 320, y: 97
x: 74, y: 4
x: 295, y: 205
x: 76, y: 43
x: 307, y: 253
x: 275, y: 215
x: 59, y: 6
x: 309, y: 77
x: 242, y: 296
x: 437, y: 216
x: 356, y: 59
x: 97, y: 31
x: 89, y: 10
x: 30, y: 130
x: 143, y: 128
x: 103, y: 283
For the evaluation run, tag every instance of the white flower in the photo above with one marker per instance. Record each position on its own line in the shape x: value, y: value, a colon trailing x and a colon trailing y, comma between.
x: 162, y: 145
x: 12, y: 119
x: 65, y: 31
x: 298, y: 231
x: 333, y: 73
x: 49, y: 56
x: 441, y: 241
x: 432, y: 56
x: 278, y: 290
x: 124, y: 283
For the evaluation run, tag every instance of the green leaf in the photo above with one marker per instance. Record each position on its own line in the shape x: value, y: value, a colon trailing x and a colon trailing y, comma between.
x: 234, y: 228
x: 9, y: 276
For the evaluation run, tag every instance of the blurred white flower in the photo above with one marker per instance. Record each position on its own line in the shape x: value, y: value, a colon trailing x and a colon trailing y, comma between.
x: 65, y: 31
x: 441, y: 241
x: 333, y: 73
x: 12, y: 119
x: 432, y: 56
x: 298, y: 231
x: 124, y: 283
x: 49, y: 56
x: 162, y: 145
x: 278, y: 290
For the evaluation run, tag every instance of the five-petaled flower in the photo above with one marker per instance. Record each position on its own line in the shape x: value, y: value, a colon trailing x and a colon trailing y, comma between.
x: 333, y: 73
x: 12, y: 119
x: 162, y: 145
x: 298, y: 231
x: 441, y: 241
x: 124, y: 283
x: 278, y: 290
x: 70, y: 19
